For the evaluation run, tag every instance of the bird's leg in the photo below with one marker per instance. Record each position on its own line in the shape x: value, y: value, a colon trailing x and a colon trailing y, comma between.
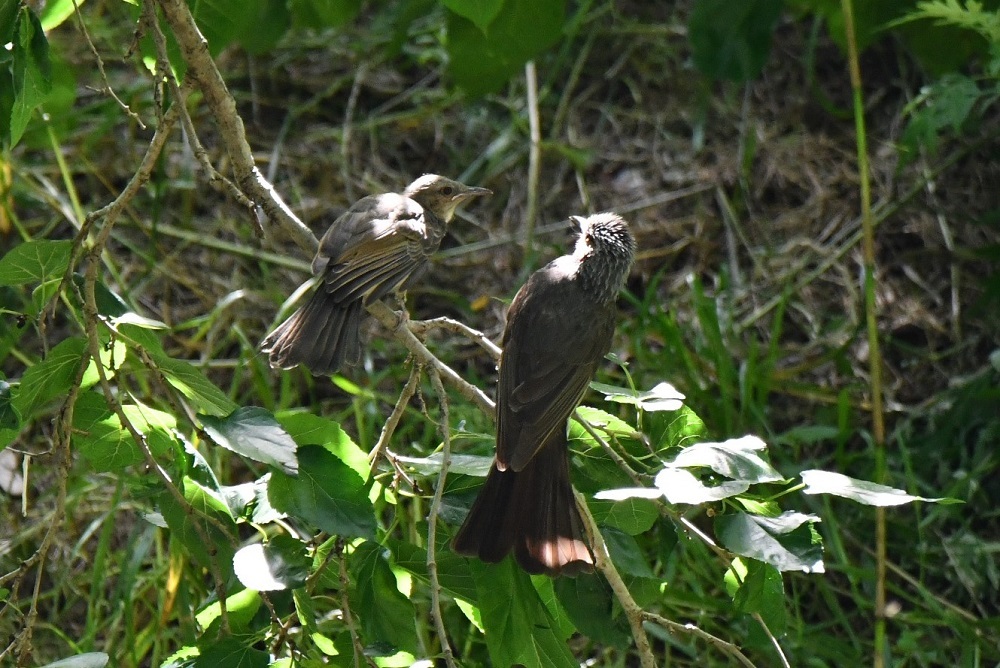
x: 399, y: 296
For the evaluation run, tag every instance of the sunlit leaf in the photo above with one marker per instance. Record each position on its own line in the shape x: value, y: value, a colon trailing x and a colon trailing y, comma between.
x: 309, y: 429
x: 681, y: 486
x: 86, y: 660
x: 734, y: 458
x: 862, y: 491
x: 193, y: 384
x: 663, y: 396
x: 280, y: 563
x: 253, y: 432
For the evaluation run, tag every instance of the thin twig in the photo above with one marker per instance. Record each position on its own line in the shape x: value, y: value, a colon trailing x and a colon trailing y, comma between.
x: 432, y: 518
x: 393, y: 420
x: 194, y: 49
x: 422, y: 327
x: 397, y: 325
x: 691, y: 629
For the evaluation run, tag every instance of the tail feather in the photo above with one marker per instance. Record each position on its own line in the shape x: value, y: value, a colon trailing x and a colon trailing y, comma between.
x: 531, y: 512
x: 322, y: 335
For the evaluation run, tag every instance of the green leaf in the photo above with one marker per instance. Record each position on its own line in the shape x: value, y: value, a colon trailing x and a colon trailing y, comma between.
x: 601, y: 420
x: 454, y: 575
x: 32, y: 71
x: 631, y: 515
x: 280, y: 563
x: 309, y: 429
x: 231, y: 652
x: 758, y: 590
x: 193, y: 384
x: 588, y: 601
x: 663, y: 396
x: 241, y: 608
x: 86, y: 660
x: 480, y: 12
x: 625, y: 552
x: 253, y: 432
x: 9, y: 417
x: 734, y: 458
x: 474, y: 465
x: 482, y: 63
x: 326, y: 493
x: 787, y: 542
x: 386, y: 614
x: 732, y: 40
x: 184, y: 525
x: 862, y: 491
x: 106, y: 444
x: 35, y: 262
x: 52, y: 377
x: 519, y: 628
x: 55, y: 12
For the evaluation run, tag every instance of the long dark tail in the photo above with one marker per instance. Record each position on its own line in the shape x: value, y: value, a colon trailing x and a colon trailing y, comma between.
x: 323, y: 335
x: 531, y: 512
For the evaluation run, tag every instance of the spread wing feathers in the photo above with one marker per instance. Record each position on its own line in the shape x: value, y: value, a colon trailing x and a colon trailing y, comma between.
x: 532, y: 513
x: 373, y: 273
x: 549, y: 358
x: 321, y: 335
x: 372, y: 248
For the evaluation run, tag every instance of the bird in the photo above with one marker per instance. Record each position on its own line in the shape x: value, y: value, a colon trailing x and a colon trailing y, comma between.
x: 559, y: 328
x: 380, y: 245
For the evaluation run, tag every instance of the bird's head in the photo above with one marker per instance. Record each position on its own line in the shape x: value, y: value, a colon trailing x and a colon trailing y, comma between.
x: 605, y: 250
x: 440, y: 195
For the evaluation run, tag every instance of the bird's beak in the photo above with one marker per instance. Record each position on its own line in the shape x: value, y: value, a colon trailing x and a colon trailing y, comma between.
x: 576, y: 223
x: 472, y: 191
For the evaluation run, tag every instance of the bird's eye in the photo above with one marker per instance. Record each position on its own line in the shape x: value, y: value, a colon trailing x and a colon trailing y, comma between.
x: 447, y: 191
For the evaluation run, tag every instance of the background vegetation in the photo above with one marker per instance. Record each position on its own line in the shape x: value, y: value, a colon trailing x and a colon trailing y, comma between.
x: 818, y: 268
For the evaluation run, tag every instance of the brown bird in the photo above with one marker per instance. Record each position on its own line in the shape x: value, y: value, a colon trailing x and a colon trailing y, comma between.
x: 378, y: 246
x: 559, y: 328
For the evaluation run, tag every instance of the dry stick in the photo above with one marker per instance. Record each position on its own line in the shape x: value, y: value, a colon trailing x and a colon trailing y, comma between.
x: 397, y: 324
x: 216, y: 180
x: 432, y: 518
x: 397, y: 413
x: 693, y: 630
x: 422, y: 327
x: 604, y: 564
x: 100, y: 67
x: 223, y: 107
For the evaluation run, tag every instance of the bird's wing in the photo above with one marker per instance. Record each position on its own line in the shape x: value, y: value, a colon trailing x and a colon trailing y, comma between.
x: 372, y: 248
x: 554, y: 340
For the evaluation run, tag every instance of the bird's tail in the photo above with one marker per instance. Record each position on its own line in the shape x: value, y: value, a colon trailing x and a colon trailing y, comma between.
x: 322, y: 335
x: 531, y: 512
